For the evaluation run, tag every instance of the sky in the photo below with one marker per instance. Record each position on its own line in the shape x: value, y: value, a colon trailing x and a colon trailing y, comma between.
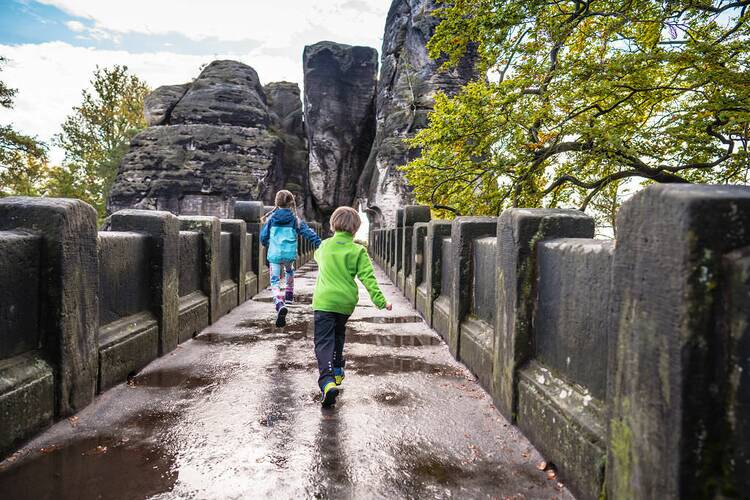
x: 53, y: 46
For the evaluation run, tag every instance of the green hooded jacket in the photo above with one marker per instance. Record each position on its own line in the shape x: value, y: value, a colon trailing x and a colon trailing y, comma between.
x: 340, y: 260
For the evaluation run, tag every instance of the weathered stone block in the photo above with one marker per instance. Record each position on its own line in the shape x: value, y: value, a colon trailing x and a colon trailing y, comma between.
x: 736, y: 268
x: 476, y: 330
x: 210, y: 230
x: 669, y: 429
x: 163, y: 229
x: 518, y: 232
x: 194, y: 315
x: 567, y: 426
x: 69, y: 315
x: 127, y: 346
x: 19, y: 293
x: 27, y: 398
x: 573, y: 320
x: 125, y: 275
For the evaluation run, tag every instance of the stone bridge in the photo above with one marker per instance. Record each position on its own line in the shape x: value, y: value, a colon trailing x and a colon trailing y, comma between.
x: 142, y: 360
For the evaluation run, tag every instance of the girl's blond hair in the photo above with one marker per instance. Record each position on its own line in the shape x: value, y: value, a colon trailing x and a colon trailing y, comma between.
x: 284, y: 199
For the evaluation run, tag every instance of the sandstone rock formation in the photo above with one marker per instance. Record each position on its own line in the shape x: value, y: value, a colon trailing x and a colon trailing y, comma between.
x: 210, y: 142
x: 340, y: 86
x: 285, y: 107
x: 408, y: 81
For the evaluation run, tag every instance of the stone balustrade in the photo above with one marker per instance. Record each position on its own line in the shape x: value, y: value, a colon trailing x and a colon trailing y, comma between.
x: 625, y: 362
x: 82, y: 310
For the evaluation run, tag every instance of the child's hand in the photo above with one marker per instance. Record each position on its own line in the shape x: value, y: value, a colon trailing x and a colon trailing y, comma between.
x: 388, y: 306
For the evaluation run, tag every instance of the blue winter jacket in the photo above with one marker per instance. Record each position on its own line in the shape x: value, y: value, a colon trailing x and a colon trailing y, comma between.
x: 279, y: 235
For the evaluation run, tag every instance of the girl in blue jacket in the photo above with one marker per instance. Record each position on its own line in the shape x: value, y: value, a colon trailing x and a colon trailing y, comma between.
x: 279, y: 235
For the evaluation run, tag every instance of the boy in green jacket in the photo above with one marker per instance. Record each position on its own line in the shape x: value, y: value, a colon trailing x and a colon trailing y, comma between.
x: 339, y: 260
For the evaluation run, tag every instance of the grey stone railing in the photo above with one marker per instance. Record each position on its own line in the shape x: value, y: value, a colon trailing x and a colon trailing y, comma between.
x: 627, y: 362
x: 82, y: 310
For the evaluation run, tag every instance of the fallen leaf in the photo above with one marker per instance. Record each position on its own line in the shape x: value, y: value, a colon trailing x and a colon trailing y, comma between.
x: 541, y: 465
x: 551, y: 474
x: 73, y: 420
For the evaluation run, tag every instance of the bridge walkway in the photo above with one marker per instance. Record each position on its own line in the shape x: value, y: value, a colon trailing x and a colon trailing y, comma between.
x: 235, y: 413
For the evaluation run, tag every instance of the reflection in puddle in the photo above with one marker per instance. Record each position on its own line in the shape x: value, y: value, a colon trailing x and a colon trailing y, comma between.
x: 175, y: 377
x: 383, y: 364
x: 390, y: 319
x: 392, y: 340
x: 96, y: 467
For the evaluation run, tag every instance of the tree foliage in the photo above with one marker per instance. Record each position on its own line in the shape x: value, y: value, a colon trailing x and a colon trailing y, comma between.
x: 582, y: 96
x: 22, y: 158
x: 97, y: 134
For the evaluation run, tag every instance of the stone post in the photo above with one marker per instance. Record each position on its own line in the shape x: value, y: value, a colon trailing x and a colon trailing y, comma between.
x: 69, y: 313
x: 411, y: 215
x: 210, y: 229
x: 464, y: 230
x: 433, y: 257
x: 518, y: 232
x: 236, y: 227
x: 416, y: 276
x: 164, y: 231
x: 398, y: 236
x: 670, y: 432
x: 251, y: 212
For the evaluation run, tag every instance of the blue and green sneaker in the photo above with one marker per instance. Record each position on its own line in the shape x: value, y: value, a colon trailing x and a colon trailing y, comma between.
x: 338, y: 375
x: 330, y: 391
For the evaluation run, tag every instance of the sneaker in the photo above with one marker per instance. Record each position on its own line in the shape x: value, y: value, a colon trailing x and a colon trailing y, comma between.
x: 338, y: 375
x: 289, y: 297
x: 281, y: 311
x: 330, y: 391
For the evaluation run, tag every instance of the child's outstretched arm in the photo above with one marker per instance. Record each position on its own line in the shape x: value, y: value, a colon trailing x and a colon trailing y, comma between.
x: 309, y: 234
x: 366, y: 275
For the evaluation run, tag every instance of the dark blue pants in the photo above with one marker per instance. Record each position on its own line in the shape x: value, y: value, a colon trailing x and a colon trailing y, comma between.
x: 330, y: 333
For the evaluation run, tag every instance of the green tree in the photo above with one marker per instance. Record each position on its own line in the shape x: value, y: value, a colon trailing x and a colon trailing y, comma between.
x: 96, y: 135
x: 22, y: 158
x: 582, y: 95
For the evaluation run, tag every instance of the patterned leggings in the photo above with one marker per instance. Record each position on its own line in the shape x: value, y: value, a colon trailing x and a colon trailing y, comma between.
x: 275, y: 271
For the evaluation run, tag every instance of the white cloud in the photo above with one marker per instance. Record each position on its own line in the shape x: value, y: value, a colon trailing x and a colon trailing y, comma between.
x: 76, y: 26
x: 50, y: 76
x: 276, y: 23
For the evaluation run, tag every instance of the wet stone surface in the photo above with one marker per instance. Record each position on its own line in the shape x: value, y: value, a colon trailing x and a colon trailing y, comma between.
x: 235, y: 413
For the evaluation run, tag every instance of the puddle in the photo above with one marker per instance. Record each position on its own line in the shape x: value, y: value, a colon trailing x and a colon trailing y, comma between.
x: 150, y: 419
x: 301, y: 299
x: 96, y: 467
x: 286, y: 366
x: 387, y: 320
x: 384, y: 364
x: 392, y: 340
x: 219, y: 338
x: 185, y: 378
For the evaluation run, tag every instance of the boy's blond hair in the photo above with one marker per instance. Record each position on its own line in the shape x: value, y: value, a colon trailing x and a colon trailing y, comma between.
x: 345, y: 219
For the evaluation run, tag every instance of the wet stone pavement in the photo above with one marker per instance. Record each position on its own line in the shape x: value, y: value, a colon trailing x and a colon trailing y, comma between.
x: 235, y: 413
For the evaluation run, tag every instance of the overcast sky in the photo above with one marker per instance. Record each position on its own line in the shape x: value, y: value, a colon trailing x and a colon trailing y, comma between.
x: 53, y: 46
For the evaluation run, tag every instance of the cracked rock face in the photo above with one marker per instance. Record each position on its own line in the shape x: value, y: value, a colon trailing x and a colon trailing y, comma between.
x: 408, y: 81
x: 211, y: 142
x: 340, y: 86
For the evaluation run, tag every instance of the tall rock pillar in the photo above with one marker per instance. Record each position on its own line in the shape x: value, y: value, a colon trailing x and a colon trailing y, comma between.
x: 408, y: 81
x: 340, y: 85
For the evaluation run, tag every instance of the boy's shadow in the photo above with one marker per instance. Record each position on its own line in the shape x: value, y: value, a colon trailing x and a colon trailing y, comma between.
x: 331, y: 477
